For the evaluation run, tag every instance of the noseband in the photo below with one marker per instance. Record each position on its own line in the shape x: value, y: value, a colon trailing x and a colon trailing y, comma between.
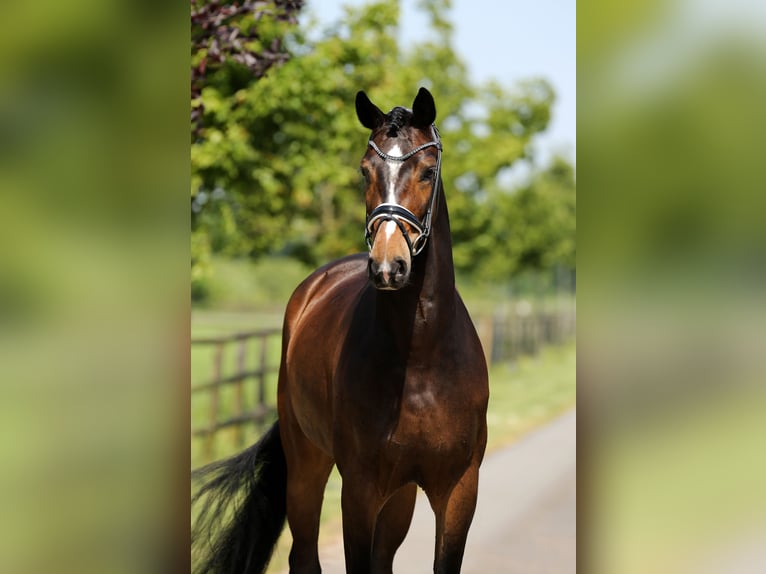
x: 400, y: 214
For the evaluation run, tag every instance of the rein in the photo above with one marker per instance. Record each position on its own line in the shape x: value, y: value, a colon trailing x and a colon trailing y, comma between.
x: 400, y: 214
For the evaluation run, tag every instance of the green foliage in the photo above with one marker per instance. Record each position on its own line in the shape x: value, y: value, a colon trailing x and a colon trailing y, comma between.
x: 241, y: 284
x: 540, y: 221
x: 275, y: 164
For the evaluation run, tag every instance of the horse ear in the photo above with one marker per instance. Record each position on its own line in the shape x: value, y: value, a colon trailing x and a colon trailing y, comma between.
x: 423, y: 109
x: 368, y: 113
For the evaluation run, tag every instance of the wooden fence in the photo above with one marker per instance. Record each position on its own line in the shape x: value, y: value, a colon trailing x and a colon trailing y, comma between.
x: 518, y: 331
x: 505, y: 336
x: 256, y: 408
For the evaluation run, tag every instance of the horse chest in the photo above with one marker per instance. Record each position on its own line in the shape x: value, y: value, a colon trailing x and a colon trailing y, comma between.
x: 428, y: 416
x: 430, y: 439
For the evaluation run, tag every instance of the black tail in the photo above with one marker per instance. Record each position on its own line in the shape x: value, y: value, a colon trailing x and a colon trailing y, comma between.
x: 242, y: 509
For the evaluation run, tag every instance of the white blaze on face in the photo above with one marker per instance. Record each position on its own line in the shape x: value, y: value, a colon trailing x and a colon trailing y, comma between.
x: 388, y: 243
x: 393, y: 167
x: 389, y: 228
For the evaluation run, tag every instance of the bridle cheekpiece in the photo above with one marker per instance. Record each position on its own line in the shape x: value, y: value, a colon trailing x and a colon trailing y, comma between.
x: 400, y: 214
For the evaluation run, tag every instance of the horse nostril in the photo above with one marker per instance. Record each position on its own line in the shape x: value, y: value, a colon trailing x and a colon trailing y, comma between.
x: 375, y: 272
x: 400, y: 266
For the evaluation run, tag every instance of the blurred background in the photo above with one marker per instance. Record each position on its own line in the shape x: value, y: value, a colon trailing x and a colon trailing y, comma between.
x: 93, y: 286
x: 671, y: 302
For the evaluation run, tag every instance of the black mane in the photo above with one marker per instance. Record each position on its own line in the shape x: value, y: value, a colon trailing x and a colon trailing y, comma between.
x: 397, y: 119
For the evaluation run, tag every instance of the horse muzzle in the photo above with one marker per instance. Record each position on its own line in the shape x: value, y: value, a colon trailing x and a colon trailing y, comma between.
x: 388, y: 275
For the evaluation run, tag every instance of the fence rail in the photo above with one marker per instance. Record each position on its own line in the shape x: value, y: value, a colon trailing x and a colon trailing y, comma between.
x: 255, y: 411
x: 505, y: 335
x: 520, y: 331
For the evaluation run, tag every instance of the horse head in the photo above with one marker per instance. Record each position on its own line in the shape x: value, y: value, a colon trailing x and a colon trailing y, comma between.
x: 401, y: 176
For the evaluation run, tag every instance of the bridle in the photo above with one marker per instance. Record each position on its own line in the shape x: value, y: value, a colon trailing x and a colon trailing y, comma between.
x: 400, y: 214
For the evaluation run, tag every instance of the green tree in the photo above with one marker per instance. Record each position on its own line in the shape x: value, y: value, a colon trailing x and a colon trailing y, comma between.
x: 274, y: 166
x: 544, y: 212
x: 233, y: 44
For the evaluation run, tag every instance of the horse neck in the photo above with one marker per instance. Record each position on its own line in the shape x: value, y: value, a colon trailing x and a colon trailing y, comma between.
x: 427, y: 304
x: 435, y: 271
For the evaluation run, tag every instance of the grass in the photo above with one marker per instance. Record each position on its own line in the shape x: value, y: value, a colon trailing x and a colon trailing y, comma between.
x: 529, y: 392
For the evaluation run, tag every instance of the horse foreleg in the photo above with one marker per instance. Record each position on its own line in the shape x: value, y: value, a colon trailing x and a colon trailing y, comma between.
x: 360, y: 503
x: 391, y: 528
x: 454, y: 514
x: 308, y: 468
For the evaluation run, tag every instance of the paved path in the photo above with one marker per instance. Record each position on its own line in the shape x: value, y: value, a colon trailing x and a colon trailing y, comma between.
x: 525, y: 517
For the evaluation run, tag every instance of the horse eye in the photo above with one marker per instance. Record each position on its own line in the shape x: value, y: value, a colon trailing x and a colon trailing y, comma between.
x: 428, y: 174
x: 365, y: 173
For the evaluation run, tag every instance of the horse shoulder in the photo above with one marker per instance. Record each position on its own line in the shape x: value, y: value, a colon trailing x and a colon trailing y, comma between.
x: 327, y: 282
x: 313, y: 321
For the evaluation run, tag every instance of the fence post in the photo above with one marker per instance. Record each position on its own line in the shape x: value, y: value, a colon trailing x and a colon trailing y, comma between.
x: 239, y: 410
x: 262, y: 378
x: 214, y: 392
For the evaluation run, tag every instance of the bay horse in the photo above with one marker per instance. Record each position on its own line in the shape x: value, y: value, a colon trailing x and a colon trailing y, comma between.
x: 382, y: 374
